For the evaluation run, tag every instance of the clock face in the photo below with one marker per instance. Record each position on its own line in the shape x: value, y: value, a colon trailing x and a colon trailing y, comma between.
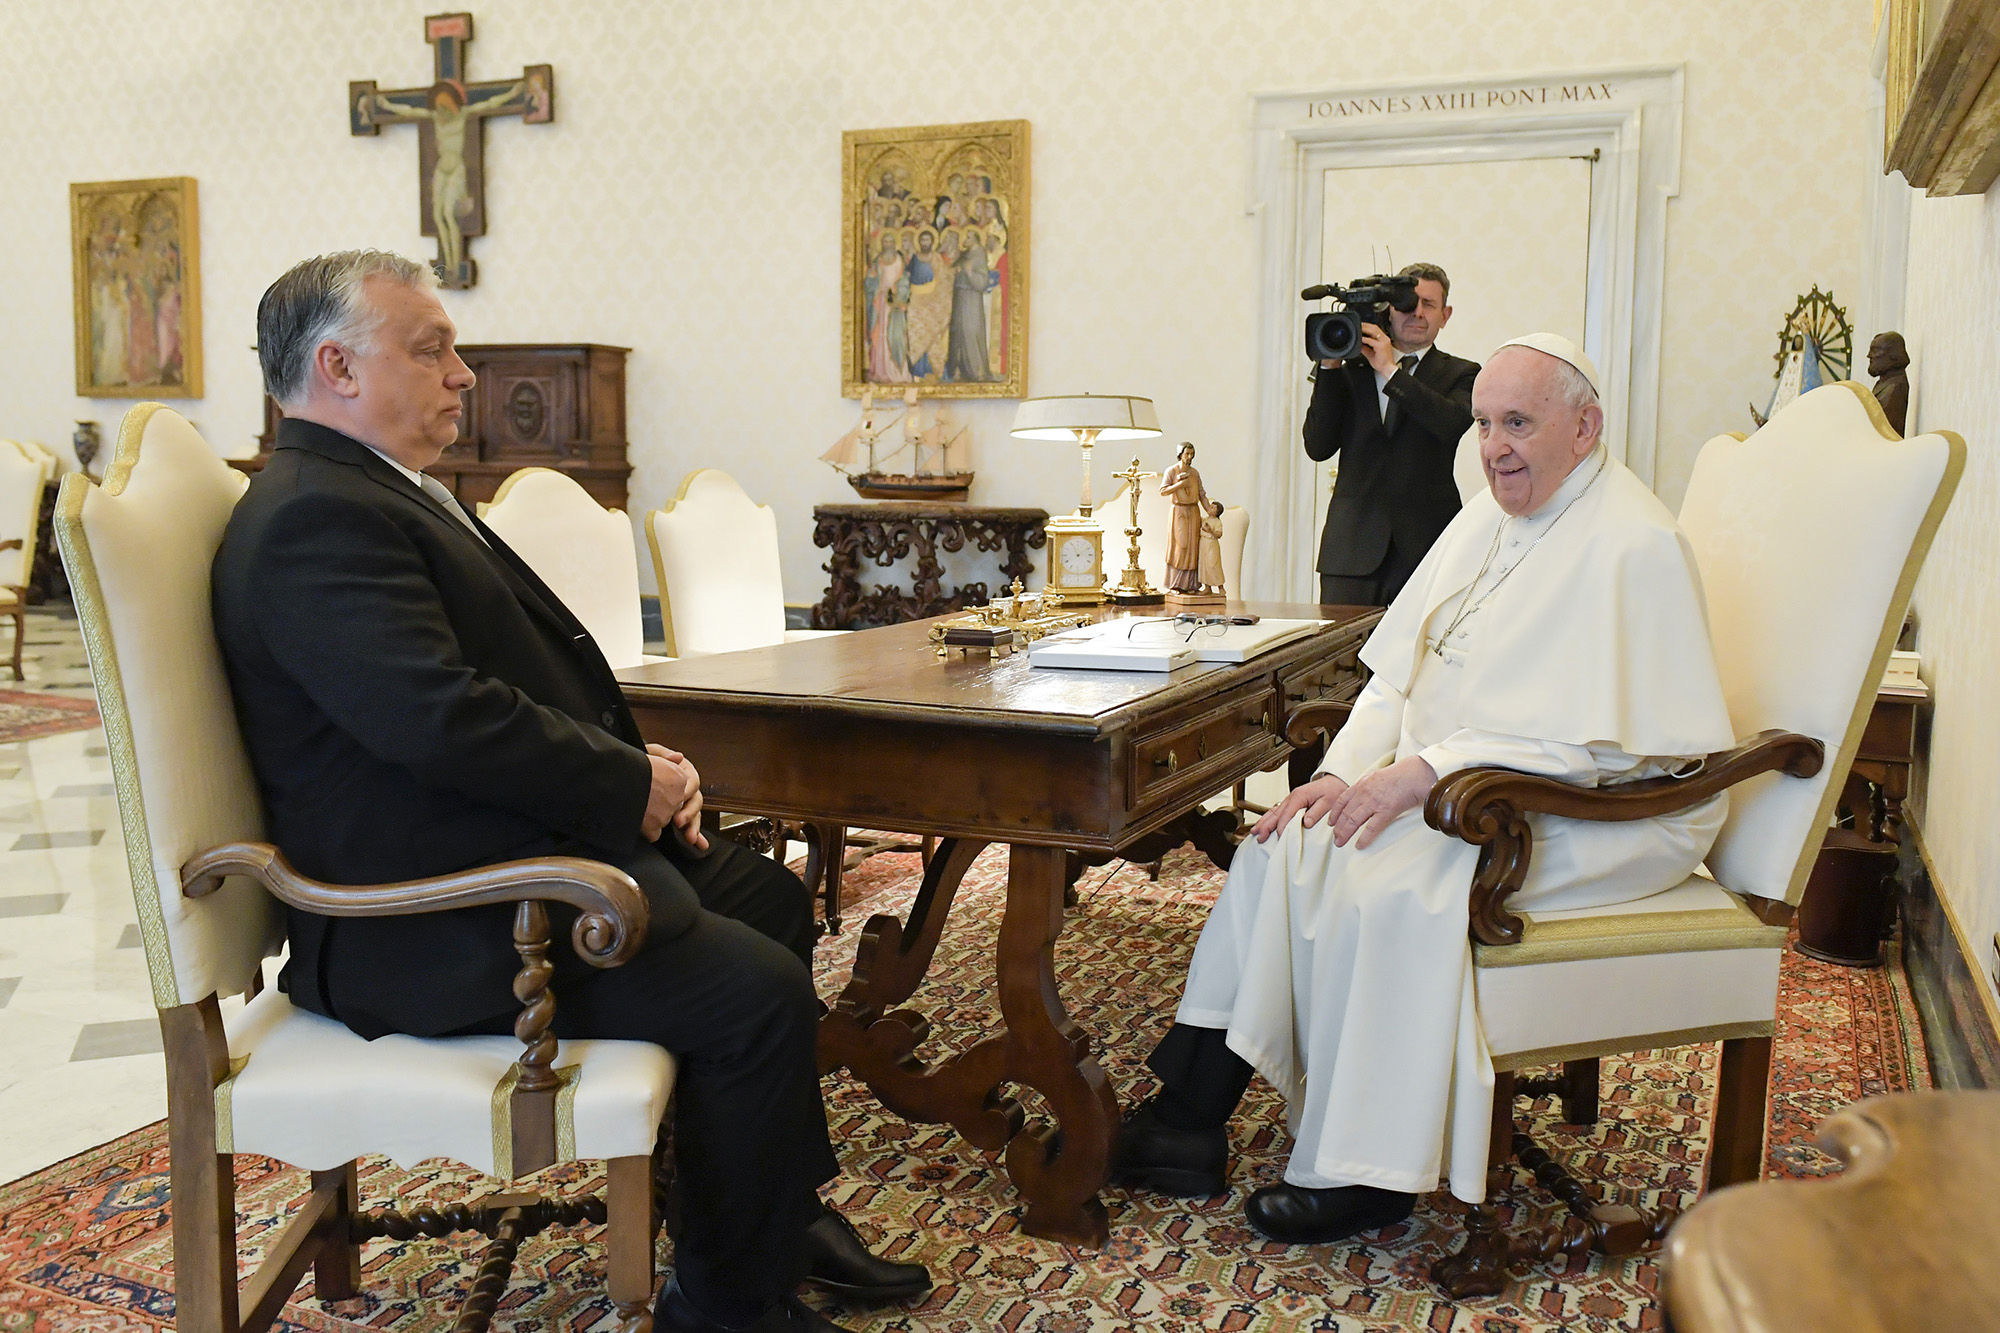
x: 1079, y: 561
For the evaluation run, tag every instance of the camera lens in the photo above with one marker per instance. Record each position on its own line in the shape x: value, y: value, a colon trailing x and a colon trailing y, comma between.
x: 1332, y: 335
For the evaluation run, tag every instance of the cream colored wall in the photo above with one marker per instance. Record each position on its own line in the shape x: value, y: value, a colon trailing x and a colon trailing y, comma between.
x: 685, y: 201
x: 1953, y: 332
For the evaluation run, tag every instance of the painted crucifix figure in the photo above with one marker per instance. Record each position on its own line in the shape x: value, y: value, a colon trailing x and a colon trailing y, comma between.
x: 449, y: 116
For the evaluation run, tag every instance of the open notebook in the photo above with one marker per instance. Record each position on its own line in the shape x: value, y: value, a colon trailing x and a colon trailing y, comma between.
x: 1146, y: 644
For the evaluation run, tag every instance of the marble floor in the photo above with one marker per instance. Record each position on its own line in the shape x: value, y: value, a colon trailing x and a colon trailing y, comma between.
x: 80, y: 1058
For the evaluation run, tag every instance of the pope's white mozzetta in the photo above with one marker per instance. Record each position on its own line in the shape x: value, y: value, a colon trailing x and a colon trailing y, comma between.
x: 1571, y: 642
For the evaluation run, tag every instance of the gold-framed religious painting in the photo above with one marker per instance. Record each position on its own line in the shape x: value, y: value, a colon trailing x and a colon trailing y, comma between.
x: 934, y: 260
x: 1942, y: 94
x: 135, y: 252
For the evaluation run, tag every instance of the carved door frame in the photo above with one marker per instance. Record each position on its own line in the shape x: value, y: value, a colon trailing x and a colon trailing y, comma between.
x: 1631, y: 119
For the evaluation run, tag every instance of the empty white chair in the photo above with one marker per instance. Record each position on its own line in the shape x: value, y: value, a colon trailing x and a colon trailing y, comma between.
x: 25, y: 470
x: 715, y: 551
x: 583, y: 551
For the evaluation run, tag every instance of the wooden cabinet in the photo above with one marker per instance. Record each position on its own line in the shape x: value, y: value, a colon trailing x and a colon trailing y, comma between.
x: 553, y: 405
x: 535, y: 405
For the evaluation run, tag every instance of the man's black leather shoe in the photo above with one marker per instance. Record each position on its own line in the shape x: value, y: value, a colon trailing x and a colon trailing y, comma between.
x: 837, y: 1260
x: 1295, y: 1215
x: 673, y: 1312
x: 1191, y: 1163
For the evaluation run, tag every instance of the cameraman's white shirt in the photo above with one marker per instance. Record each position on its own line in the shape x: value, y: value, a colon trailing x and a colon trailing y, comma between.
x: 1382, y: 381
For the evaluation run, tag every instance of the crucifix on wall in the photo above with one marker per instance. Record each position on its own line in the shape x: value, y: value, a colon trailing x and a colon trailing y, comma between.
x: 450, y: 118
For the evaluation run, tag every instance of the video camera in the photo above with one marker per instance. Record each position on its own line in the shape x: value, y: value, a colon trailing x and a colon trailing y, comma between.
x: 1335, y: 335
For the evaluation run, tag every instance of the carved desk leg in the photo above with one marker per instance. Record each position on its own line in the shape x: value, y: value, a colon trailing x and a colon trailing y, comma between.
x: 1059, y: 1168
x: 863, y: 1031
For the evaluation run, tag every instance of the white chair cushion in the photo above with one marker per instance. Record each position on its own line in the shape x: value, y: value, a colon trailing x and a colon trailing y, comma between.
x: 582, y: 550
x: 306, y: 1090
x: 138, y: 550
x: 715, y: 551
x: 1809, y: 536
x: 1689, y: 964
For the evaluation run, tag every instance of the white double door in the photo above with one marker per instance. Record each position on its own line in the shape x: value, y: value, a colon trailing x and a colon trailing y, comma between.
x: 1514, y: 235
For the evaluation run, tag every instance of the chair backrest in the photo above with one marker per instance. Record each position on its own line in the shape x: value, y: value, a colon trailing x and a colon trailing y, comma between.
x: 138, y: 550
x: 1155, y: 519
x: 1809, y: 536
x: 24, y: 472
x: 583, y: 551
x: 715, y: 551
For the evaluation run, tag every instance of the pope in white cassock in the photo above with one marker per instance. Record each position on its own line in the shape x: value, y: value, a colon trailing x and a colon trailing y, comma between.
x: 1557, y: 627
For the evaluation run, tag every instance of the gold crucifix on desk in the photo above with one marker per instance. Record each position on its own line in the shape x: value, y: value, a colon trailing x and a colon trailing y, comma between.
x: 450, y: 116
x: 1132, y: 589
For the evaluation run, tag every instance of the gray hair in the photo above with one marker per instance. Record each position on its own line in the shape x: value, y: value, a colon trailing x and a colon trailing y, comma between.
x: 320, y: 300
x: 1572, y: 387
x: 1431, y: 272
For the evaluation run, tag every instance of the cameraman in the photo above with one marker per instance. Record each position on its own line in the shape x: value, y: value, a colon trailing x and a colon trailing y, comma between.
x: 1394, y: 413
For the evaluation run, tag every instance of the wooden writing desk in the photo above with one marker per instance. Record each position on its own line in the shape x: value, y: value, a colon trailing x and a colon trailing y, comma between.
x: 871, y: 730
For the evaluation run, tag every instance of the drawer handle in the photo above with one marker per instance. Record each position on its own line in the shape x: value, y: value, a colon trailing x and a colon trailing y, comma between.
x: 1201, y: 746
x: 1260, y: 721
x: 1172, y: 763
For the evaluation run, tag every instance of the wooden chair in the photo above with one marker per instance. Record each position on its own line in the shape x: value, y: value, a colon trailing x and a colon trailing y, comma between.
x: 1899, y: 1242
x: 274, y: 1080
x: 582, y: 550
x: 1809, y: 538
x: 715, y: 554
x: 25, y: 470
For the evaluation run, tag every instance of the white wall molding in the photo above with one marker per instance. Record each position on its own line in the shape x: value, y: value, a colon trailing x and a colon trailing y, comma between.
x: 1630, y: 115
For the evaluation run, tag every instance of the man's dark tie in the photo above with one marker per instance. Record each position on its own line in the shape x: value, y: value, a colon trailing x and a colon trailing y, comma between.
x: 1393, y: 414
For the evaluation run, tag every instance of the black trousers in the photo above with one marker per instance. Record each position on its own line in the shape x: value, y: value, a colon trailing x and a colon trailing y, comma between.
x: 733, y: 999
x: 1201, y: 1079
x: 1376, y: 589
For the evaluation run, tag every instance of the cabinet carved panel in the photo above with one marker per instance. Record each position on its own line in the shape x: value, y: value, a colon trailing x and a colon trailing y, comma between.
x: 559, y: 406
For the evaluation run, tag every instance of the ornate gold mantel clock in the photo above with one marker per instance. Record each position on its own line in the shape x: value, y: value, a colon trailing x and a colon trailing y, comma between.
x: 1076, y: 541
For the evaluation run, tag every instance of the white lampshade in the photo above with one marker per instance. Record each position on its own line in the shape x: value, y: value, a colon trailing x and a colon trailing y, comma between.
x: 1112, y: 417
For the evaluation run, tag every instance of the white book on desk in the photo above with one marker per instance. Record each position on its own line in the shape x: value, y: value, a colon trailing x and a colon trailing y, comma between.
x: 1209, y: 643
x: 1103, y: 655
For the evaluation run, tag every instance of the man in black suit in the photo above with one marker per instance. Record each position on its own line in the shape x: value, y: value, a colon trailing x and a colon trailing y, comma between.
x: 1394, y: 414
x: 416, y: 701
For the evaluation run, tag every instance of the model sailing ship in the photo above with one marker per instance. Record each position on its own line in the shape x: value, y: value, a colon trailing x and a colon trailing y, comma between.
x: 930, y: 476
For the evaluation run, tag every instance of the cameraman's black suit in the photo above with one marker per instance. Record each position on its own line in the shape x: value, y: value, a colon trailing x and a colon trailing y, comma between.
x: 416, y: 701
x: 1395, y: 492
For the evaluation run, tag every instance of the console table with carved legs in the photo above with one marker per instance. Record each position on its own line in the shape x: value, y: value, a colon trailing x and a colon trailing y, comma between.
x: 870, y: 730
x: 884, y: 534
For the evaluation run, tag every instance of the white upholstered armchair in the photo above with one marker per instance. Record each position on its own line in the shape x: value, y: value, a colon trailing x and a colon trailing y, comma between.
x: 1809, y: 537
x: 275, y: 1080
x: 25, y: 471
x: 715, y: 553
x: 583, y: 551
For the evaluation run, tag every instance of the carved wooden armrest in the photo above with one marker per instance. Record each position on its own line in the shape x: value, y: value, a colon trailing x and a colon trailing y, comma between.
x: 1489, y: 808
x: 1305, y: 723
x: 610, y: 927
x: 612, y: 917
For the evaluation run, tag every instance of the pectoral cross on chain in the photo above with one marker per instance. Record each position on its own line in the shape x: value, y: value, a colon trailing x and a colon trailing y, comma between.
x: 450, y: 117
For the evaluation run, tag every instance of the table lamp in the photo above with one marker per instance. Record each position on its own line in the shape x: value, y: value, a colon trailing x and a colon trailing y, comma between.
x: 1076, y: 541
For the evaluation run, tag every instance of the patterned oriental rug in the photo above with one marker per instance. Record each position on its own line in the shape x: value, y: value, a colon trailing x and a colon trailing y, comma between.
x: 86, y: 1245
x: 25, y: 716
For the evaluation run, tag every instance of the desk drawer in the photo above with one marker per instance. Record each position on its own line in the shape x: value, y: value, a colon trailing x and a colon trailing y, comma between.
x: 1183, y: 748
x: 1339, y: 679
